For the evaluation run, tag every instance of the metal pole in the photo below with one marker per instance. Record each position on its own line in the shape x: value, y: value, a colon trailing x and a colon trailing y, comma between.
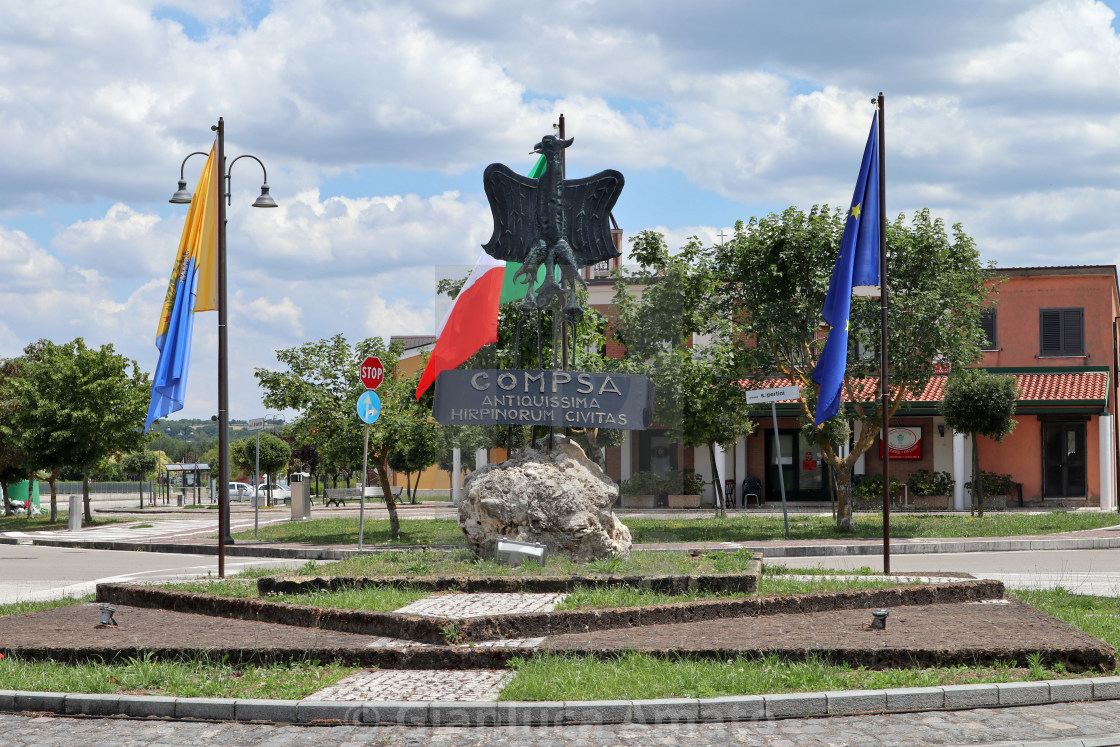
x: 223, y: 362
x: 257, y: 481
x: 781, y: 472
x: 883, y: 373
x: 362, y: 498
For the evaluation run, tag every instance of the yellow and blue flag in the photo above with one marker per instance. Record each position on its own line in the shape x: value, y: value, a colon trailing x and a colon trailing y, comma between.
x: 857, y: 263
x: 193, y: 287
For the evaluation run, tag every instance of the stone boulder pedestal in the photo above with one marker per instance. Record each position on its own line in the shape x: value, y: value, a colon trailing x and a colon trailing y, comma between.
x: 558, y: 498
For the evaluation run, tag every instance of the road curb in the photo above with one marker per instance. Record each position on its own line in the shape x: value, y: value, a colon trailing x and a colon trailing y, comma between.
x: 552, y: 713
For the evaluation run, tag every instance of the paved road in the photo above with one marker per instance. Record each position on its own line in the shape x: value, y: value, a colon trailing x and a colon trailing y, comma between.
x: 33, y: 573
x: 1079, y: 571
x: 1061, y: 724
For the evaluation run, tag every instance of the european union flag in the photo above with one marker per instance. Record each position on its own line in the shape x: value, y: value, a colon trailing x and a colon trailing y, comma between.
x: 856, y: 264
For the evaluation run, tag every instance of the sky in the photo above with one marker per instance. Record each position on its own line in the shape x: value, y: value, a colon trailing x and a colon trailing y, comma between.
x: 376, y: 119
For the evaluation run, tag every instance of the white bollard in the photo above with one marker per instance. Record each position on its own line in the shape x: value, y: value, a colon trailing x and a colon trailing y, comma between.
x: 75, y: 517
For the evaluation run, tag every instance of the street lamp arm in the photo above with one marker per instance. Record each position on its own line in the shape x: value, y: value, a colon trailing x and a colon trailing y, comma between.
x: 229, y: 176
x: 183, y: 165
x: 182, y: 196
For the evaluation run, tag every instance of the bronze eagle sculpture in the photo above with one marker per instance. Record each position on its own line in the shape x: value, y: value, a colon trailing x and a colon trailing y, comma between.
x: 560, y: 223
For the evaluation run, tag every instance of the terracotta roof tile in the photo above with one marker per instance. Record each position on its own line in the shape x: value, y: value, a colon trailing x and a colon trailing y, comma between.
x: 1033, y: 387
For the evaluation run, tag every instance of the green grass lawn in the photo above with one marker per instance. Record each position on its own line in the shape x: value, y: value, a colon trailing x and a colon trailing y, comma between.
x: 199, y: 678
x: 338, y: 531
x: 633, y: 675
x: 903, y: 526
x: 24, y: 524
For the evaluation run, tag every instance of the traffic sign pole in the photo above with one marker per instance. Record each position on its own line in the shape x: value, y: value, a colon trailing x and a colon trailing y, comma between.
x: 781, y: 471
x: 773, y: 396
x: 362, y: 499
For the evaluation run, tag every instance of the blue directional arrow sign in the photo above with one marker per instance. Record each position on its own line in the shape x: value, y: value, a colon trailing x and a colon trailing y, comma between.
x: 369, y: 407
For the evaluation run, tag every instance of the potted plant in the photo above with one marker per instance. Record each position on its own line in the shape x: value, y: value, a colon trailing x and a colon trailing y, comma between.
x: 684, y: 487
x: 641, y: 490
x: 868, y: 492
x: 997, y: 487
x: 930, y: 489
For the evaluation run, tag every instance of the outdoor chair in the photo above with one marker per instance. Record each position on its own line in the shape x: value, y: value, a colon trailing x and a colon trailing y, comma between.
x: 752, y: 488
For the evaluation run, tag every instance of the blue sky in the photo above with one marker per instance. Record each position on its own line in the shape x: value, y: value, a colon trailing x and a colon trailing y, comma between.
x: 376, y: 119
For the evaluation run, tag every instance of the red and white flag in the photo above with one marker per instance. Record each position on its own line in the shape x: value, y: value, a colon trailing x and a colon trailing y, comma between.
x: 471, y: 323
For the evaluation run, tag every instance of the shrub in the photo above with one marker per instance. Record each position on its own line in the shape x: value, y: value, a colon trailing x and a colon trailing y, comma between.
x: 994, y: 483
x: 871, y: 486
x: 643, y: 483
x: 684, y: 482
x: 924, y: 482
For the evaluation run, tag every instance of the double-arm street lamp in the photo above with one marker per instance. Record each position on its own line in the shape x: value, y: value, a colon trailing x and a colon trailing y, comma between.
x: 263, y: 201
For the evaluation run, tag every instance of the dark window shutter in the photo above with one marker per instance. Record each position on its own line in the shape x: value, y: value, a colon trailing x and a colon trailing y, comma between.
x: 988, y: 324
x: 1051, y: 325
x: 1072, y: 339
x: 1062, y: 332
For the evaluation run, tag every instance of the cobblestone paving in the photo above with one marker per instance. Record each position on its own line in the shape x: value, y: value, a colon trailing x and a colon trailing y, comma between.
x: 480, y: 605
x: 435, y: 684
x: 1061, y: 723
x: 386, y: 642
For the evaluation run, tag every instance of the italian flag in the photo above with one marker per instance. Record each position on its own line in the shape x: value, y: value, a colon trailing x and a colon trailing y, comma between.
x: 471, y: 323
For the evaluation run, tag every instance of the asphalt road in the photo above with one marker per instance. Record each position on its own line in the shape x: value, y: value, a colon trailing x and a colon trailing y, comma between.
x: 31, y: 573
x: 1078, y: 571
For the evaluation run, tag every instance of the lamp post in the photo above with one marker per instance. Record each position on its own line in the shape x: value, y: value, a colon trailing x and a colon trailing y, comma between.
x: 263, y: 201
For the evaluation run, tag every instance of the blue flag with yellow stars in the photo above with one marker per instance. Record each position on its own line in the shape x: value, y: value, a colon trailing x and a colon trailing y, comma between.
x: 857, y: 263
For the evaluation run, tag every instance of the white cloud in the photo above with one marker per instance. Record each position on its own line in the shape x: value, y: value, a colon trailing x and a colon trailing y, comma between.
x: 1002, y: 115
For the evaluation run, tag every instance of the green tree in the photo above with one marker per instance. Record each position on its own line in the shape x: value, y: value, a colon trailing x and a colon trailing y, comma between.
x: 775, y: 273
x: 13, y: 461
x: 673, y: 334
x: 77, y: 405
x: 980, y: 404
x: 417, y: 444
x: 139, y: 463
x: 274, y: 455
x: 322, y: 383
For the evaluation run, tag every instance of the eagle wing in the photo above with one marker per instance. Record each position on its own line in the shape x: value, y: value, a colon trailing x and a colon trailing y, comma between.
x: 587, y: 204
x: 513, y: 203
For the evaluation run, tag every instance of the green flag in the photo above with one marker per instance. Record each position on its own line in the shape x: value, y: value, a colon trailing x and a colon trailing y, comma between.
x: 512, y: 291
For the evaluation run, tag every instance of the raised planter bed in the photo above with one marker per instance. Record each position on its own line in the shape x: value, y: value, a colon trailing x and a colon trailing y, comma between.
x: 684, y: 501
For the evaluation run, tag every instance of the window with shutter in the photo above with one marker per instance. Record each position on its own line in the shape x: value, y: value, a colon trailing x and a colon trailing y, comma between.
x: 988, y: 324
x: 1061, y: 332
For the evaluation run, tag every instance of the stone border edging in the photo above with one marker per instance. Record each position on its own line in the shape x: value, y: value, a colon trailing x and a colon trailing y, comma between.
x: 555, y: 713
x: 536, y: 624
x: 745, y: 583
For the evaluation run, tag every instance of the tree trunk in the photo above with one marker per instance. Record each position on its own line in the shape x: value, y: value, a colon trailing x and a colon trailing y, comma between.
x: 843, y: 470
x: 717, y: 484
x: 9, y: 509
x: 51, y: 479
x: 387, y: 491
x: 977, y: 479
x: 85, y: 494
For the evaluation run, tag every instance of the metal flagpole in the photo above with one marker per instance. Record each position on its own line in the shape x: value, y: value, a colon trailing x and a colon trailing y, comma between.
x: 883, y: 383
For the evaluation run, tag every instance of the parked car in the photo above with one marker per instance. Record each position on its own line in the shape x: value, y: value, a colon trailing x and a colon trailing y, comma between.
x: 240, y: 491
x: 280, y: 492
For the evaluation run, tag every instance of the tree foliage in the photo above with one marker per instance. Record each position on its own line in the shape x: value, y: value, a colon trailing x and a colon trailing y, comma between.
x: 980, y: 404
x: 775, y: 273
x: 321, y: 382
x: 673, y: 333
x: 77, y: 405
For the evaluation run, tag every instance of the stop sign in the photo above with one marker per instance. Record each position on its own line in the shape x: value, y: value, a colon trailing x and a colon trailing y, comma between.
x: 371, y: 372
